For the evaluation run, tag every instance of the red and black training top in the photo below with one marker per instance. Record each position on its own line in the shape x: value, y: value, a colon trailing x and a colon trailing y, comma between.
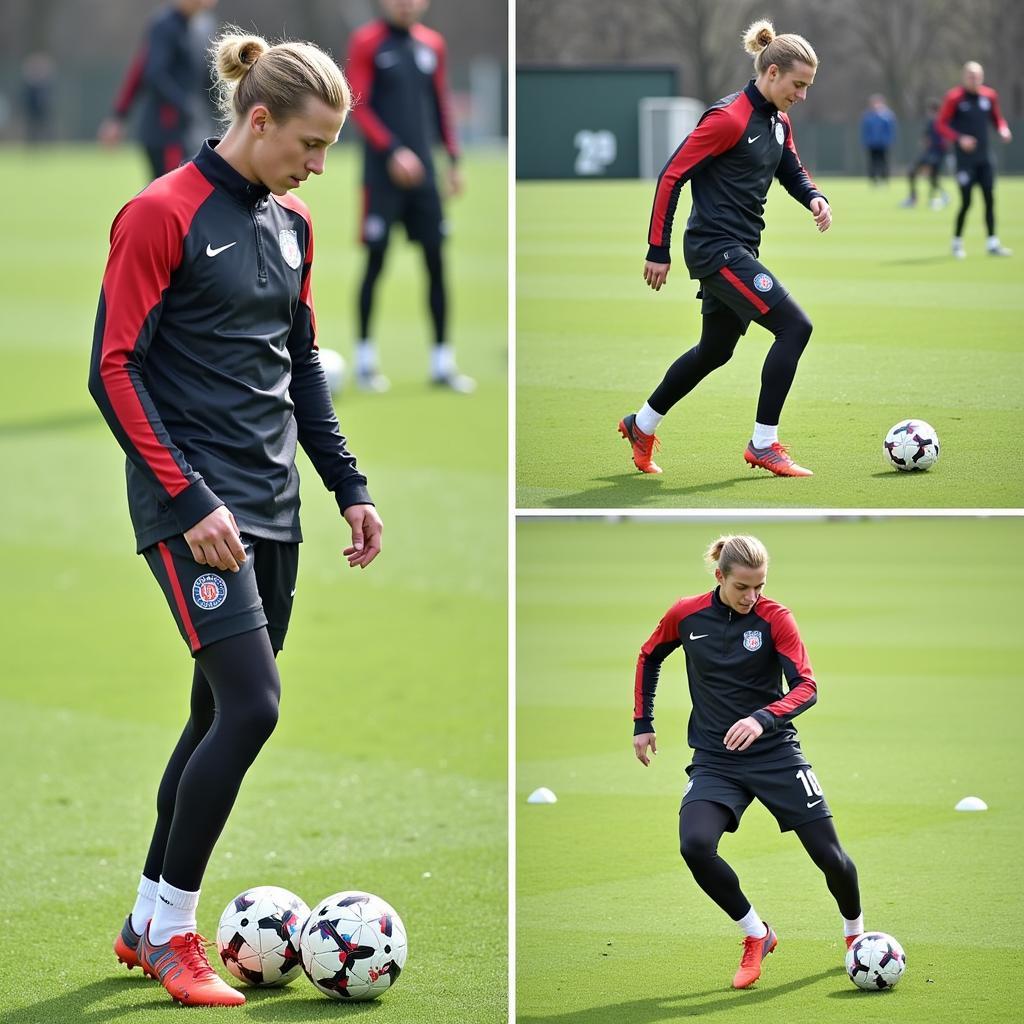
x: 735, y: 665
x: 204, y: 360
x: 970, y: 113
x: 740, y: 143
x: 400, y: 86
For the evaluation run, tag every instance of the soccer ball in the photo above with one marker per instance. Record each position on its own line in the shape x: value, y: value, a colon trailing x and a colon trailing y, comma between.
x: 875, y: 961
x: 258, y: 935
x: 353, y: 946
x: 910, y: 445
x: 334, y: 368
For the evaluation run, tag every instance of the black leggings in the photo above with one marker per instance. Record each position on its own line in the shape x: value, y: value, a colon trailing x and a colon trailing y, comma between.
x: 235, y: 694
x: 719, y: 335
x: 702, y: 824
x: 437, y: 297
x: 965, y: 204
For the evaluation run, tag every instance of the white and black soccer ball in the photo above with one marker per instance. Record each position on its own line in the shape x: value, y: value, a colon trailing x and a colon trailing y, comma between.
x: 875, y: 962
x: 911, y: 445
x: 333, y: 364
x: 258, y: 935
x: 353, y: 946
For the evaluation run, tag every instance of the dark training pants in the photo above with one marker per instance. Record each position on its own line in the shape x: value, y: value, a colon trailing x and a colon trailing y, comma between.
x: 437, y: 299
x: 966, y: 176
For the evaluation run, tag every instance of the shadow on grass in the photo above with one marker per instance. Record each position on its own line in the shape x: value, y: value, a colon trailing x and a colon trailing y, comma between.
x: 692, y: 1004
x: 629, y: 490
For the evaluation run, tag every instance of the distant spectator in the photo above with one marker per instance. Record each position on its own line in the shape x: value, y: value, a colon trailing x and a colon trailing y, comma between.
x: 877, y: 131
x: 37, y: 97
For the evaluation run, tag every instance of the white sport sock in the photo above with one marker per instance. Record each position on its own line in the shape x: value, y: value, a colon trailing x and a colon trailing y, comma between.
x: 442, y: 360
x: 853, y: 926
x: 648, y: 420
x: 366, y: 356
x: 175, y: 913
x: 142, y: 912
x: 993, y: 241
x: 752, y: 925
x: 765, y: 434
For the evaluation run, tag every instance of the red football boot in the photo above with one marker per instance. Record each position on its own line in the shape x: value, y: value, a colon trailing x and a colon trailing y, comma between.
x: 775, y: 458
x: 754, y: 951
x: 644, y: 445
x: 181, y: 966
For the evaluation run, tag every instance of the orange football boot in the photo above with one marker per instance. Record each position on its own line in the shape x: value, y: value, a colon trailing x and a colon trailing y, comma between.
x: 775, y: 458
x: 851, y: 939
x: 181, y: 966
x: 126, y: 947
x: 754, y: 951
x: 644, y: 445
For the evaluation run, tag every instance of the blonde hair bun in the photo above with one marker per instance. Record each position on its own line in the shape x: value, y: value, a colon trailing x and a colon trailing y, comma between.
x: 758, y: 36
x: 236, y: 53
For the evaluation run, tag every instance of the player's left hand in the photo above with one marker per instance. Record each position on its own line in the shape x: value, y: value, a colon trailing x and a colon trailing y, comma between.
x: 742, y: 733
x: 1006, y: 135
x: 366, y: 531
x: 456, y: 185
x: 822, y: 213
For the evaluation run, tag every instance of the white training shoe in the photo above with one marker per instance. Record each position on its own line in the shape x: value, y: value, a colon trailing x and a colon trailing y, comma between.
x: 374, y: 382
x: 455, y: 381
x: 999, y: 250
x: 958, y: 249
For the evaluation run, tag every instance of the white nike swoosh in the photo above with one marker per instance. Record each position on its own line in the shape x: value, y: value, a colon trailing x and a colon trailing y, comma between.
x: 292, y: 594
x: 210, y: 251
x: 700, y: 636
x: 815, y: 804
x: 754, y: 139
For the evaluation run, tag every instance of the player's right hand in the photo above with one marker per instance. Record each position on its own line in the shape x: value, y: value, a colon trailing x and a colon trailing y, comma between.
x: 406, y: 168
x: 656, y: 274
x: 640, y: 745
x: 968, y: 143
x: 215, y: 541
x: 110, y: 132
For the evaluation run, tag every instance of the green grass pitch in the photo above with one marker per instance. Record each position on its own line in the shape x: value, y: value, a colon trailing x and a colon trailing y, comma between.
x: 387, y: 771
x: 917, y: 654
x: 901, y: 329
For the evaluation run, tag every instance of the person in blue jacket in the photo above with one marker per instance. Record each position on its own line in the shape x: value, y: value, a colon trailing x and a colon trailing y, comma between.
x: 877, y: 132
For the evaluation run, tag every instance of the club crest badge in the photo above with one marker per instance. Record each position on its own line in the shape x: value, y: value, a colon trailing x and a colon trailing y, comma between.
x: 209, y: 591
x: 426, y: 59
x: 289, y: 242
x: 780, y: 134
x: 763, y: 283
x: 752, y: 639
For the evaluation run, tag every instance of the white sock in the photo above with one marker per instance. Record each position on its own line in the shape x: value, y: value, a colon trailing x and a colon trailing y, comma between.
x: 442, y: 360
x: 366, y: 356
x: 752, y: 925
x: 142, y: 912
x: 853, y: 925
x: 958, y: 242
x: 174, y: 914
x: 993, y: 241
x: 648, y: 420
x: 765, y: 434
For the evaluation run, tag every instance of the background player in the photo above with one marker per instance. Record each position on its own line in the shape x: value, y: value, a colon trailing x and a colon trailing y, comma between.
x: 204, y: 365
x: 933, y: 152
x: 739, y: 644
x: 877, y: 132
x: 738, y: 146
x: 966, y: 112
x: 397, y: 68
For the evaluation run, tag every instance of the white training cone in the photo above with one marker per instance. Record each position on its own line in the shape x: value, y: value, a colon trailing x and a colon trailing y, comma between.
x: 542, y: 796
x: 972, y: 803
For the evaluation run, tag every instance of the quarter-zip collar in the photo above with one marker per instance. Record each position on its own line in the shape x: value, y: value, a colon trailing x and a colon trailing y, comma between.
x: 758, y: 101
x: 222, y: 175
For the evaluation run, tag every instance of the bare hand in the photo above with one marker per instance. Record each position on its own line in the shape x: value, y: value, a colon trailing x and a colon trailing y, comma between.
x: 111, y: 132
x: 1005, y: 134
x: 456, y: 186
x: 968, y: 143
x: 656, y: 274
x: 742, y: 733
x: 366, y: 531
x: 406, y: 168
x: 822, y: 213
x: 215, y: 541
x: 640, y: 745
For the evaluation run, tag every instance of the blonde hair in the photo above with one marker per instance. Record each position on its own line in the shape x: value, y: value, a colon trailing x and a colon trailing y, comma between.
x: 736, y: 549
x: 282, y: 76
x: 784, y: 51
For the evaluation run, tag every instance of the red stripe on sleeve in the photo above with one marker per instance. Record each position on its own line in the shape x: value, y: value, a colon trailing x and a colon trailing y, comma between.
x: 179, y: 597
x: 946, y: 111
x: 791, y: 146
x: 786, y: 639
x: 361, y: 70
x: 997, y: 115
x: 129, y: 89
x: 440, y: 82
x: 296, y: 205
x: 757, y: 303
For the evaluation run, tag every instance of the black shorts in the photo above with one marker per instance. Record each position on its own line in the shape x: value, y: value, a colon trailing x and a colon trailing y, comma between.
x: 981, y: 172
x: 419, y: 209
x: 929, y: 158
x: 789, y: 790
x: 213, y: 604
x: 743, y: 285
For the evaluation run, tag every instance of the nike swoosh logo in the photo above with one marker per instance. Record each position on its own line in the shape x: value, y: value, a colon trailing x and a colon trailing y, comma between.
x: 754, y: 139
x: 815, y: 804
x: 292, y: 594
x: 210, y: 251
x: 699, y: 636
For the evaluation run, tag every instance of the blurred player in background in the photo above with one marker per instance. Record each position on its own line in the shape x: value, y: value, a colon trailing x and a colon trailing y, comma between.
x: 738, y: 647
x: 877, y: 132
x: 167, y: 75
x: 397, y: 68
x: 205, y: 367
x: 964, y: 118
x: 730, y: 158
x: 933, y: 152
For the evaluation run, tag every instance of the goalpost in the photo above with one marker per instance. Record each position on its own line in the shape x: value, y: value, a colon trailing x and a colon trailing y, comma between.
x: 664, y: 122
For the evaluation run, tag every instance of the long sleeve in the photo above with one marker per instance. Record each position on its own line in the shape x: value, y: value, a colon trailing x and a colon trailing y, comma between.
x: 997, y: 115
x: 131, y: 84
x: 791, y: 172
x: 157, y: 73
x: 661, y: 643
x: 943, y: 122
x: 442, y: 101
x: 796, y: 667
x: 360, y: 71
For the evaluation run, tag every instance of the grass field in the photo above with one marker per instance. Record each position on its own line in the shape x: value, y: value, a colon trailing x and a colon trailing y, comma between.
x: 901, y: 329
x: 387, y: 771
x: 911, y: 625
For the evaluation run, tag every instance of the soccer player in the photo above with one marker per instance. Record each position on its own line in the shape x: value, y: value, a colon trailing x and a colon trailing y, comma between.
x: 730, y: 158
x: 877, y: 131
x: 964, y: 117
x: 164, y: 71
x: 932, y: 153
x: 397, y: 68
x: 205, y: 367
x: 738, y: 645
